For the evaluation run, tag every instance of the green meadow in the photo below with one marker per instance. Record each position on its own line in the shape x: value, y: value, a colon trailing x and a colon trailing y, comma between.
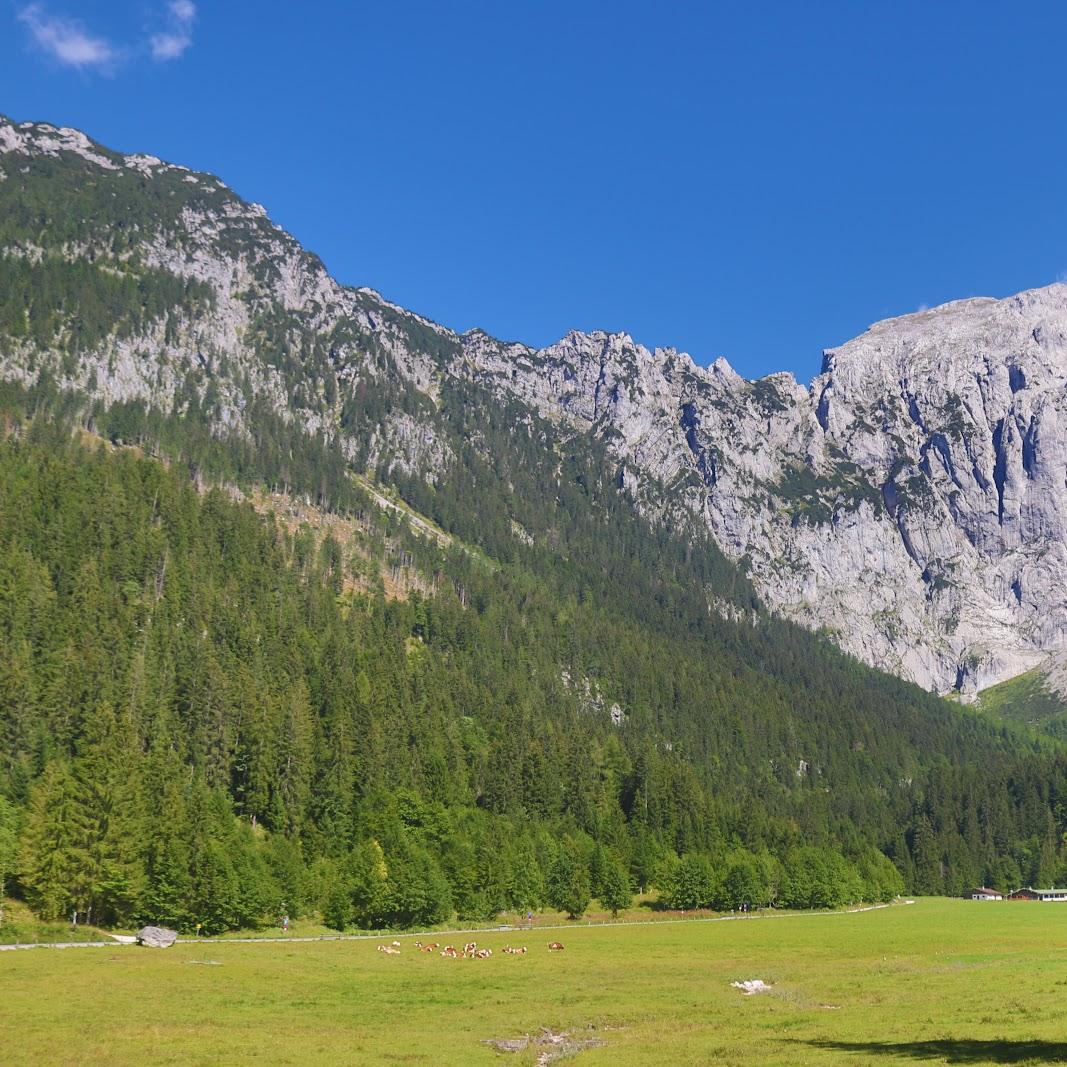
x: 939, y: 981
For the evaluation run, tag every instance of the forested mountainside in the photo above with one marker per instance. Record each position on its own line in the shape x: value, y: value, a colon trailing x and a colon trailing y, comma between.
x: 205, y: 715
x: 909, y: 503
x: 1036, y: 700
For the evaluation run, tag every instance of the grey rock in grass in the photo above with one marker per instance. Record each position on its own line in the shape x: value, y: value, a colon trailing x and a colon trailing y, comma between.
x: 156, y: 936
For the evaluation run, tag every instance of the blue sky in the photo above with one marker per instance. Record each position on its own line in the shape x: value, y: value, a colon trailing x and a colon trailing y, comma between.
x: 758, y: 181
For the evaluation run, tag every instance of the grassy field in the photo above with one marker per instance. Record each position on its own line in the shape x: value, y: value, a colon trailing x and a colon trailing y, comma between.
x: 1024, y: 701
x: 939, y: 981
x: 21, y: 926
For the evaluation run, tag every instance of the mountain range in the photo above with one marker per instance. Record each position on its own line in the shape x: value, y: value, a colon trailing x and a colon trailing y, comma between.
x: 305, y: 598
x: 910, y: 503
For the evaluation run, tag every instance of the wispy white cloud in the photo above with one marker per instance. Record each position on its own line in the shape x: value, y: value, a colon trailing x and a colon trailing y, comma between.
x: 178, y: 35
x: 68, y: 42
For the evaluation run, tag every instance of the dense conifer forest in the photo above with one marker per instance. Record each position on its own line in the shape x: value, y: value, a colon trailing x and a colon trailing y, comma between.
x: 205, y: 720
x: 207, y: 716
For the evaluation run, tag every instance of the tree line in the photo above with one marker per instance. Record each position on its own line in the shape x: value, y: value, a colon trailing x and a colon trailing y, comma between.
x: 202, y: 724
x: 202, y: 719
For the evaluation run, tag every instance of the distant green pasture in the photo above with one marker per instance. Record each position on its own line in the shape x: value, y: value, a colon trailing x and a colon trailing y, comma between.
x: 940, y: 981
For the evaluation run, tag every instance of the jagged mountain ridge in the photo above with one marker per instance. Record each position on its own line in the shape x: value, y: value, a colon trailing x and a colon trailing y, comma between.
x: 909, y: 501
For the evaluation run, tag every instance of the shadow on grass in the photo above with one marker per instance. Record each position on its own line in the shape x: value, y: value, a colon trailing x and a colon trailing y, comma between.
x: 660, y: 908
x: 653, y: 905
x: 955, y: 1051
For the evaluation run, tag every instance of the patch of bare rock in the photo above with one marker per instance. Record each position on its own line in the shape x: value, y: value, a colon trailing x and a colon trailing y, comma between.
x: 554, y: 1044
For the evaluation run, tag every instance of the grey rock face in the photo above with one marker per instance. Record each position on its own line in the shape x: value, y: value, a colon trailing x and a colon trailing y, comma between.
x: 911, y: 502
x: 260, y: 279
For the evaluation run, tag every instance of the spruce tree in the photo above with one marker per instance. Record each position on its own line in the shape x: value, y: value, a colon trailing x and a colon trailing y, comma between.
x: 54, y: 863
x: 8, y: 846
x: 615, y: 892
x: 567, y: 885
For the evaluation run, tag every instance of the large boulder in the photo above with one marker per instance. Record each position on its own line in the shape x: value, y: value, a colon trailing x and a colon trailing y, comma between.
x: 156, y: 936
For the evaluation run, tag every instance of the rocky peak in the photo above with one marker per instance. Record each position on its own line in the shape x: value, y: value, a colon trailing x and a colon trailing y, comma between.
x: 43, y: 139
x: 912, y: 502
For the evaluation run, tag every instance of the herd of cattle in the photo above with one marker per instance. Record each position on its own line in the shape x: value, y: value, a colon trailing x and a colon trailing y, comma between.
x: 470, y: 950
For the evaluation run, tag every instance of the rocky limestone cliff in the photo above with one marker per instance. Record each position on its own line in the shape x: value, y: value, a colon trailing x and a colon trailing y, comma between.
x: 912, y: 502
x: 277, y: 330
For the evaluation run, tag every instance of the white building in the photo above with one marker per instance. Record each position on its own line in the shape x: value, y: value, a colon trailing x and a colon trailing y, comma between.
x: 1029, y: 893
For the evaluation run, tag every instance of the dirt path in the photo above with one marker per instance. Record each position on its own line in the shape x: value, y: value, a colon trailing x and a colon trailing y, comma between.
x: 382, y: 935
x: 61, y: 944
x: 416, y: 520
